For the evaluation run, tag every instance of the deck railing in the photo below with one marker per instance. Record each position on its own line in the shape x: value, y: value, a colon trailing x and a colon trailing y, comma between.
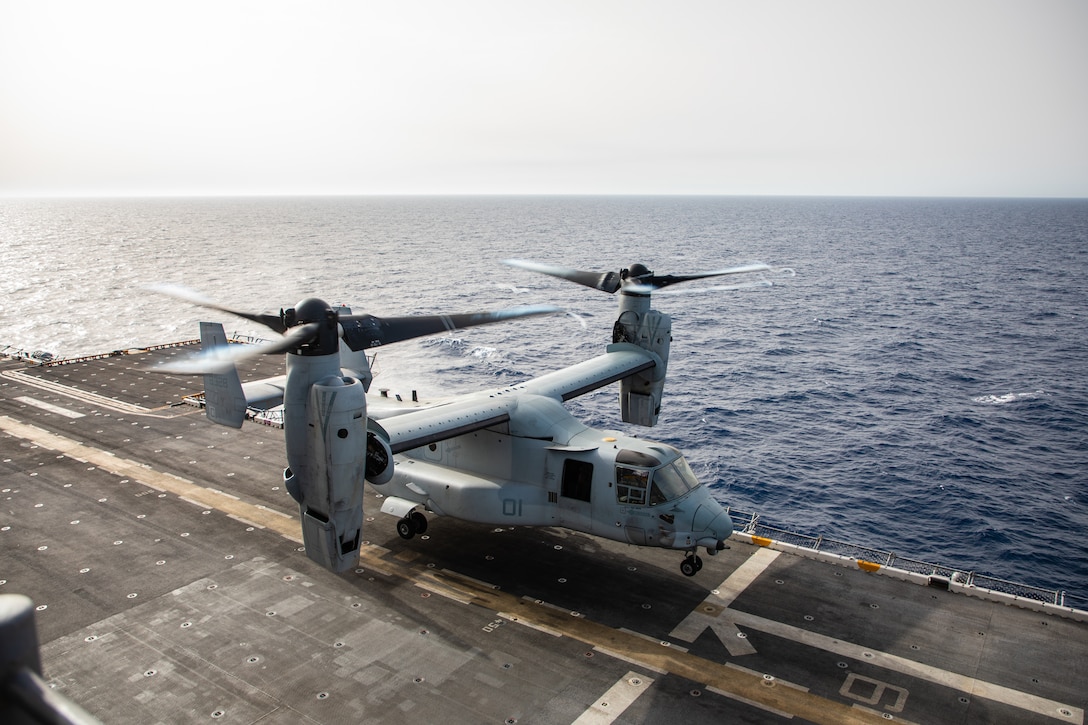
x: 750, y: 523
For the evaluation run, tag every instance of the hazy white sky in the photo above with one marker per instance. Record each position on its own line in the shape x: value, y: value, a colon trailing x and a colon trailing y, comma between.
x: 920, y: 97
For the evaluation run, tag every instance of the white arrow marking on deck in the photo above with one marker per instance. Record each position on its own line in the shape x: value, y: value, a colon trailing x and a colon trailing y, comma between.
x: 721, y: 622
x: 724, y: 622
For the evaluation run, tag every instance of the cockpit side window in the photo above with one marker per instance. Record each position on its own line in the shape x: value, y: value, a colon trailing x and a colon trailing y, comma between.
x: 631, y: 485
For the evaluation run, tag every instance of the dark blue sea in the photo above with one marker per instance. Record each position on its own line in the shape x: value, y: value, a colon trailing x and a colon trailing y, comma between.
x: 920, y: 386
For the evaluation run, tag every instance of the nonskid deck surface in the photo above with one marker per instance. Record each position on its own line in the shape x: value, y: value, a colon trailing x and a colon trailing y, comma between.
x: 163, y: 554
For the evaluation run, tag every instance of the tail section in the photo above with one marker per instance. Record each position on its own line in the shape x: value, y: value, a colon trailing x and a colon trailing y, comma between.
x: 223, y: 397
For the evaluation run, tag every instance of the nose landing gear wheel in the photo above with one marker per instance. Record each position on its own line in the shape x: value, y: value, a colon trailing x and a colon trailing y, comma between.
x: 412, y: 524
x: 691, y: 565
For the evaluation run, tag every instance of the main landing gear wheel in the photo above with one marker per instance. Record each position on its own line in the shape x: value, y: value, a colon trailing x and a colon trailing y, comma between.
x: 691, y: 565
x: 412, y: 524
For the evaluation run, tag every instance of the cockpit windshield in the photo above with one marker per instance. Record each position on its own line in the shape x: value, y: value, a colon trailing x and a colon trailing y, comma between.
x: 666, y: 483
x: 672, y: 481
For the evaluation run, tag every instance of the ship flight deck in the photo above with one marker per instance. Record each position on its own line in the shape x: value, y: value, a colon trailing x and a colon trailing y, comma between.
x: 163, y: 557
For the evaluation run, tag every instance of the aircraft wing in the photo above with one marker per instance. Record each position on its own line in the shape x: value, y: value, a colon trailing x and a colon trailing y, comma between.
x: 622, y: 360
x: 423, y: 426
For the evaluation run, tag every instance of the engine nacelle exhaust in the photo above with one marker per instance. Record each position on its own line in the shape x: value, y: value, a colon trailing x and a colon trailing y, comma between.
x: 379, y: 456
x: 330, y: 497
x: 640, y: 394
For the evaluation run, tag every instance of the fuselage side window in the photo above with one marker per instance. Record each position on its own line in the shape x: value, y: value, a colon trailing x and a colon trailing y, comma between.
x: 631, y: 484
x: 577, y: 479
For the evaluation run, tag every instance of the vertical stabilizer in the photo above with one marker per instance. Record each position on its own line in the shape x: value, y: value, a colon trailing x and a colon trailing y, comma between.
x: 223, y: 397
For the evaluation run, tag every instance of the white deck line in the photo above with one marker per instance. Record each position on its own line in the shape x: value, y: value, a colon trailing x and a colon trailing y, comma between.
x: 618, y: 698
x: 49, y: 407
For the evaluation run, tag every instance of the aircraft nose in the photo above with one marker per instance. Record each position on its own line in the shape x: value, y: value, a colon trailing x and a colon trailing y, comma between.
x: 722, y: 526
x: 712, y: 525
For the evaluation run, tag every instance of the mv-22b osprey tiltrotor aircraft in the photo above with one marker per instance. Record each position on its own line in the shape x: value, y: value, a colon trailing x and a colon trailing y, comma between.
x: 507, y: 456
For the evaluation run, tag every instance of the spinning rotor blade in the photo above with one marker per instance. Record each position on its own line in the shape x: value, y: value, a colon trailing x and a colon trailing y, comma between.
x: 606, y: 282
x: 220, y: 359
x: 317, y: 321
x: 187, y: 295
x: 654, y: 282
x: 664, y: 280
x: 366, y: 331
x: 636, y: 279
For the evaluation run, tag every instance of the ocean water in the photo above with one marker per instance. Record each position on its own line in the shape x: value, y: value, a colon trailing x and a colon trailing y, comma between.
x: 920, y: 386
